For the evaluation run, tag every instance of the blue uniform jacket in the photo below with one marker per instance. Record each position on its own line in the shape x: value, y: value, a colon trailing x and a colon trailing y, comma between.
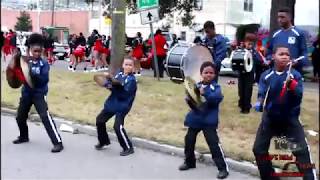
x: 289, y: 105
x: 39, y: 72
x: 218, y: 48
x: 207, y: 115
x: 122, y: 96
x: 295, y: 39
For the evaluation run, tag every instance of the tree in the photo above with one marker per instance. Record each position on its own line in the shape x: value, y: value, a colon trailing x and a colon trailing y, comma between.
x: 275, y: 6
x: 166, y: 7
x: 24, y: 22
x: 118, y: 35
x: 118, y: 9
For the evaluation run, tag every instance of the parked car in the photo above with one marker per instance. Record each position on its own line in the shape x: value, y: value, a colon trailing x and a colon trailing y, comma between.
x: 226, y: 67
x: 61, y: 51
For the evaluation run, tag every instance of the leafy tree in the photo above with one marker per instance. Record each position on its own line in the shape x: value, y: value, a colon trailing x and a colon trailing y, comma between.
x: 166, y: 7
x: 24, y: 22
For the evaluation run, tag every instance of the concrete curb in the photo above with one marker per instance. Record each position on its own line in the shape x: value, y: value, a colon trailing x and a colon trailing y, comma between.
x: 243, y: 166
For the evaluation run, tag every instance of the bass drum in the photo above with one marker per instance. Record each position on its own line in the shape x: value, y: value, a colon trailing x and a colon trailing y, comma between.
x: 175, y: 61
x: 241, y: 60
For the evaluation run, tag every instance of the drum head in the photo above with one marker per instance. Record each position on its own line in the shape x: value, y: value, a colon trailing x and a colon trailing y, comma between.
x: 174, y: 63
x: 248, y: 61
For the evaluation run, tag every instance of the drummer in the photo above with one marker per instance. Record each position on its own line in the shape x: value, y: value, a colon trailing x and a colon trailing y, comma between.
x: 123, y: 89
x: 205, y: 118
x: 216, y: 44
x: 246, y: 79
x: 35, y: 92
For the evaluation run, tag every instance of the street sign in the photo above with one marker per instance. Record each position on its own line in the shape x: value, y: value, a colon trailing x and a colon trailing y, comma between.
x: 149, y: 16
x: 146, y: 4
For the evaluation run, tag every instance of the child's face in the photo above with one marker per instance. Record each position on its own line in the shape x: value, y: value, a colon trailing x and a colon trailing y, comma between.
x: 281, y: 57
x: 248, y: 44
x: 208, y: 74
x: 127, y: 66
x: 36, y: 51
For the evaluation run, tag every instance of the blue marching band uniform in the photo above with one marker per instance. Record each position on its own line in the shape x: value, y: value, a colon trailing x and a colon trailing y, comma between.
x: 281, y: 118
x: 296, y: 42
x: 119, y: 104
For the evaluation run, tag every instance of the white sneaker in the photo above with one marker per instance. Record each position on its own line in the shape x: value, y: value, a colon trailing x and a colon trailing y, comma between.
x: 94, y: 70
x: 73, y: 70
x: 70, y: 68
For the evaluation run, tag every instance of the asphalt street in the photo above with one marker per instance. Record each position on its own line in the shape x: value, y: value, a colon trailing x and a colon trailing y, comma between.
x: 79, y: 160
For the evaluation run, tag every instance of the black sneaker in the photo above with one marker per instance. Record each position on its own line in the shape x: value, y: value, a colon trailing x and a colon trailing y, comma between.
x: 222, y: 174
x: 127, y: 152
x: 20, y: 140
x: 245, y: 111
x: 100, y: 146
x: 185, y: 166
x: 57, y: 148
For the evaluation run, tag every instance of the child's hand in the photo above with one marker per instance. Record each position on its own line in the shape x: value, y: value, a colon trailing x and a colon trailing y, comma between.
x: 107, y: 75
x: 258, y: 106
x: 291, y: 84
x: 201, y: 90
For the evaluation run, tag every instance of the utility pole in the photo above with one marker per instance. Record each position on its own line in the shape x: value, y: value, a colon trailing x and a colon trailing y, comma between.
x: 52, y: 13
x: 118, y: 11
x: 100, y: 15
x: 38, y: 9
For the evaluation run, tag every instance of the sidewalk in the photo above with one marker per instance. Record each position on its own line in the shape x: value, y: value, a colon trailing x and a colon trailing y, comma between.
x: 243, y: 167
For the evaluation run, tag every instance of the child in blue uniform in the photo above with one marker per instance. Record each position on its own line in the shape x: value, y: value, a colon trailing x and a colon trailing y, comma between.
x: 123, y: 89
x: 246, y: 79
x: 281, y: 114
x: 205, y: 118
x: 39, y: 71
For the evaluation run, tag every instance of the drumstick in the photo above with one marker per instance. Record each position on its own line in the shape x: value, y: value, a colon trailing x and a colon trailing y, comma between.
x: 265, y: 98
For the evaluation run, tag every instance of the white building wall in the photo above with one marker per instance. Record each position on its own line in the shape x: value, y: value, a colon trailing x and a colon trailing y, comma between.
x: 224, y: 13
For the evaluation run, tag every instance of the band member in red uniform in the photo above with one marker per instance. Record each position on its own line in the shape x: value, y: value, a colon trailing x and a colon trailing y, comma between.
x: 137, y: 52
x: 6, y: 47
x: 79, y: 54
x: 99, y: 54
x: 48, y: 47
x: 160, y: 42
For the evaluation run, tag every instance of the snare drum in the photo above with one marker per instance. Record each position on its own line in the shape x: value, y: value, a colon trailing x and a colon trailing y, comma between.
x: 174, y: 63
x: 241, y: 60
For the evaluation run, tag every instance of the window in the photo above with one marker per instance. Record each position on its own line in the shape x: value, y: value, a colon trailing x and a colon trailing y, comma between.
x: 248, y: 5
x: 198, y: 4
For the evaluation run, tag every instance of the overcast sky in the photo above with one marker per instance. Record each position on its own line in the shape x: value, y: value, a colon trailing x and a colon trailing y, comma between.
x: 307, y: 12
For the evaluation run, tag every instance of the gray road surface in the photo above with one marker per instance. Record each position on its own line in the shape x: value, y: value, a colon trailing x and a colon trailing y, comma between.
x: 80, y: 160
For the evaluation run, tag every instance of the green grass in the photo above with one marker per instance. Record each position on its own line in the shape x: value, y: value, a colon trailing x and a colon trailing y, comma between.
x: 159, y: 110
